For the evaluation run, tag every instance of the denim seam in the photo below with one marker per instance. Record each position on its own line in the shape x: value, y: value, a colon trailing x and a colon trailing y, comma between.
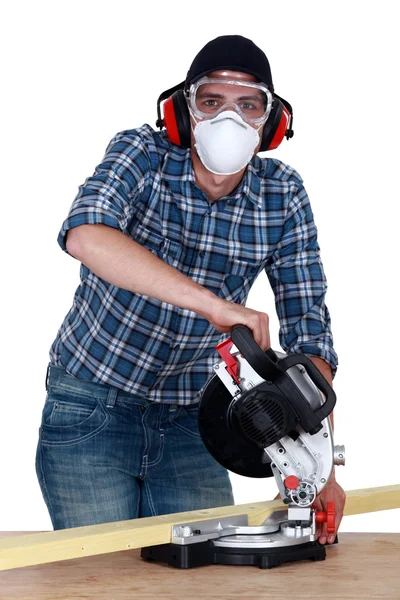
x: 160, y: 453
x: 149, y: 498
x: 79, y: 391
x: 187, y: 431
x: 47, y: 497
x: 143, y: 469
x: 160, y: 416
x: 158, y: 426
x: 175, y: 414
x: 67, y: 407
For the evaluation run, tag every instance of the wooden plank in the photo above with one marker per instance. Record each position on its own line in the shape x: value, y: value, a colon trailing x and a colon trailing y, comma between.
x: 368, y: 500
x: 363, y: 566
x: 52, y: 546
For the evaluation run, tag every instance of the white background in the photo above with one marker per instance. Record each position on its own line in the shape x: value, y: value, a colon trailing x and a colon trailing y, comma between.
x: 75, y: 73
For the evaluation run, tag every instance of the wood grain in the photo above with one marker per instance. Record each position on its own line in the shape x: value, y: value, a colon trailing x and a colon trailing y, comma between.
x: 33, y: 549
x: 363, y: 566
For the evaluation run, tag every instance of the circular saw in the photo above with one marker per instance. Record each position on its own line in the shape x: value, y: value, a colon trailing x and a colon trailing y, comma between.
x: 263, y: 414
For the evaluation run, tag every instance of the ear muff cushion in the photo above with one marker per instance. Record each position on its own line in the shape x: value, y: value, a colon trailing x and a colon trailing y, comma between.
x: 275, y: 127
x: 177, y: 119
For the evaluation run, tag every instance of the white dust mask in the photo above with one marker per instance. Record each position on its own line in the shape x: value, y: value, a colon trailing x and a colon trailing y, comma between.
x: 226, y: 143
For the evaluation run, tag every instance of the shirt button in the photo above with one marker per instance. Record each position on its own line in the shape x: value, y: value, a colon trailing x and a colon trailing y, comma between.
x: 201, y: 253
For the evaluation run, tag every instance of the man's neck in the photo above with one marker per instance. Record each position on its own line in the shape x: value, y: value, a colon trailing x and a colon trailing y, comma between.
x: 214, y: 186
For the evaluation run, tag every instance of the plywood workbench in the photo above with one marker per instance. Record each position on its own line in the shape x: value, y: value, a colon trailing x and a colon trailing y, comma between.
x: 362, y: 566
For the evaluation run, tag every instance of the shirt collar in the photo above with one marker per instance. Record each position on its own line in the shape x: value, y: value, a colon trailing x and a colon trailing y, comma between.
x: 178, y: 169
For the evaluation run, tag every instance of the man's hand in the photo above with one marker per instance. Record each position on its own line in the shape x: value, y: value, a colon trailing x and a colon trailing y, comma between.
x: 331, y: 492
x: 225, y: 315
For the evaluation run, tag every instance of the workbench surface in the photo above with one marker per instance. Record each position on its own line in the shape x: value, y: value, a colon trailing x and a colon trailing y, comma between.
x: 362, y: 566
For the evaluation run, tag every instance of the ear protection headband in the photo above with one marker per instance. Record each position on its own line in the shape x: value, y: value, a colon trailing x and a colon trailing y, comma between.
x: 177, y: 119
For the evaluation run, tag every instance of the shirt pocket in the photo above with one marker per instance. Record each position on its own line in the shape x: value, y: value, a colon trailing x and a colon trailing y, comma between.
x: 238, y: 280
x: 164, y: 248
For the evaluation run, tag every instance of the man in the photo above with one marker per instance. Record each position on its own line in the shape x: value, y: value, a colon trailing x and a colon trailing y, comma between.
x: 170, y: 240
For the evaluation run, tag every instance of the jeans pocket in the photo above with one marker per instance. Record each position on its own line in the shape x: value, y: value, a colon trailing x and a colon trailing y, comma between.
x: 186, y: 420
x: 192, y: 411
x: 68, y: 419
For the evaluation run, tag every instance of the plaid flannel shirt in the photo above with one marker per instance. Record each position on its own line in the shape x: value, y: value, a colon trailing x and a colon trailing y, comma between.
x: 145, y: 187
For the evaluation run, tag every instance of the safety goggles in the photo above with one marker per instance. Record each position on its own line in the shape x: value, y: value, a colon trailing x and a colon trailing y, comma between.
x: 208, y: 97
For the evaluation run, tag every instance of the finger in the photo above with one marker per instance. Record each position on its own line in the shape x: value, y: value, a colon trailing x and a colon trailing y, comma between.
x: 265, y: 330
x: 324, y: 534
x: 261, y: 338
x: 338, y: 519
x: 322, y: 530
x: 268, y: 340
x: 317, y: 505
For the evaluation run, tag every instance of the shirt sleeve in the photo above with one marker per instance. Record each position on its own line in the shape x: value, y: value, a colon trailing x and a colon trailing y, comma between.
x: 299, y: 284
x: 108, y: 196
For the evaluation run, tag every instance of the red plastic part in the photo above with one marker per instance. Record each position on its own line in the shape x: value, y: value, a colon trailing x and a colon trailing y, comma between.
x: 291, y: 482
x: 170, y: 122
x: 280, y: 130
x: 232, y: 365
x: 327, y: 517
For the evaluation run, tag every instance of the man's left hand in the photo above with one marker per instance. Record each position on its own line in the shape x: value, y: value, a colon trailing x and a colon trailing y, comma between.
x: 331, y: 492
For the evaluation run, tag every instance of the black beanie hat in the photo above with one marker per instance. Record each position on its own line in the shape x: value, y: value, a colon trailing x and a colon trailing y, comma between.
x: 233, y: 52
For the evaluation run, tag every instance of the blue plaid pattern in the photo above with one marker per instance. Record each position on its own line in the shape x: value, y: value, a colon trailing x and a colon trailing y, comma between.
x: 145, y: 187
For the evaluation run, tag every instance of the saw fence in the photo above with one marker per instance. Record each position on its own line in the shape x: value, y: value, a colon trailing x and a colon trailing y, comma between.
x: 52, y: 546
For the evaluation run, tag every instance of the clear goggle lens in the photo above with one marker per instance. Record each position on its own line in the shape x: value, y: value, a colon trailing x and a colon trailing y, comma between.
x: 209, y: 96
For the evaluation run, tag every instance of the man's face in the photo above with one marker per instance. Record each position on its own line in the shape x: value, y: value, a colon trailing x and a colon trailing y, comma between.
x: 211, y: 96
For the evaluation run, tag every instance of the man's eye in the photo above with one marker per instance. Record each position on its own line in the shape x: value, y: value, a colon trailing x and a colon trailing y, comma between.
x: 248, y: 106
x: 210, y: 103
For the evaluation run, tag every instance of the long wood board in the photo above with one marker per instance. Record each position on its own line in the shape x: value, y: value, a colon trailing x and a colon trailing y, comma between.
x: 52, y: 546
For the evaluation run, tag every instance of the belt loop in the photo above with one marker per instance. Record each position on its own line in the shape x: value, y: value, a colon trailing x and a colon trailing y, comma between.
x: 46, y: 383
x: 111, y: 397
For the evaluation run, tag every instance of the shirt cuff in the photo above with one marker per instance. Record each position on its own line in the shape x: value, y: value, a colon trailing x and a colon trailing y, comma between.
x: 327, y: 354
x: 86, y: 218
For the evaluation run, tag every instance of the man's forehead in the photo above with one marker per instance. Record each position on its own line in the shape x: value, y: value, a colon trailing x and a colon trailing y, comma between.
x: 228, y: 74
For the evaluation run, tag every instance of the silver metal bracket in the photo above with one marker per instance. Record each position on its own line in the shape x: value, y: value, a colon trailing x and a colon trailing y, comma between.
x: 234, y: 531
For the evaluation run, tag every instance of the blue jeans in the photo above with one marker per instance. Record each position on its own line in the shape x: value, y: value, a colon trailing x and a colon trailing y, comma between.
x: 106, y: 455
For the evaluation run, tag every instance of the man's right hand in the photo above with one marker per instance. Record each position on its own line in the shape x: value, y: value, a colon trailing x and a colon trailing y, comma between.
x: 224, y: 315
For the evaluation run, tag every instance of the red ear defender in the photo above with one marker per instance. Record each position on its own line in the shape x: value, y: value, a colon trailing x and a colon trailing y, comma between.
x: 280, y: 130
x: 278, y: 125
x: 170, y: 121
x: 176, y: 116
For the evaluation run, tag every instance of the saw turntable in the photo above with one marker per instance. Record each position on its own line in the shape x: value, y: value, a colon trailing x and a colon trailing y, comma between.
x: 263, y: 414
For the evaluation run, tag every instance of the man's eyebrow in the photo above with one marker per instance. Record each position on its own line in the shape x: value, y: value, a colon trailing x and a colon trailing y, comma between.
x: 221, y: 96
x: 209, y: 95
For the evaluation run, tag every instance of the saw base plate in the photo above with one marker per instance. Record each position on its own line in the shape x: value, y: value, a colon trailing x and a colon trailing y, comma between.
x: 206, y: 553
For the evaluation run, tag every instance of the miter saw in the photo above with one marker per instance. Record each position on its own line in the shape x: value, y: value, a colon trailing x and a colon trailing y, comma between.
x: 263, y: 414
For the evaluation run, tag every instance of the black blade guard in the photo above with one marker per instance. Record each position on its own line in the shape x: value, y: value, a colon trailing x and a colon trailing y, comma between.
x: 222, y: 437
